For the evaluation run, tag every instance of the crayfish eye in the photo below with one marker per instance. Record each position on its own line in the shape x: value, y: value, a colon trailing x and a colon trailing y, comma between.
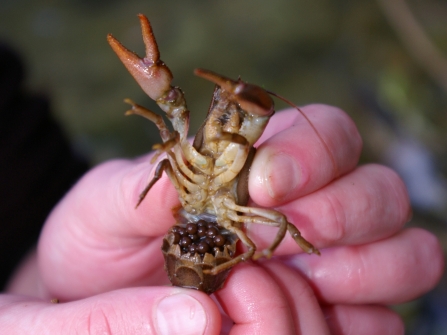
x: 253, y: 99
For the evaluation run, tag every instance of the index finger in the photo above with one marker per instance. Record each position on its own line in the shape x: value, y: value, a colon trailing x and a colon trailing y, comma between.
x: 293, y: 160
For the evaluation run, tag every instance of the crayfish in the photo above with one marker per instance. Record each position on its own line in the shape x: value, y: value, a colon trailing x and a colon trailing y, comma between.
x: 210, y: 174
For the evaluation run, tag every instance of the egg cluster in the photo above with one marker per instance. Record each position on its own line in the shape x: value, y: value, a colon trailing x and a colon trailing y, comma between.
x: 199, y: 237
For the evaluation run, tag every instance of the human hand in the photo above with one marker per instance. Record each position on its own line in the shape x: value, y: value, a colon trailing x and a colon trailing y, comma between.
x: 95, y: 244
x: 368, y: 261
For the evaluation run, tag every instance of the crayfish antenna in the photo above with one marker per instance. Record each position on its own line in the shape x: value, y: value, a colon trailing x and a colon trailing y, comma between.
x: 326, y: 147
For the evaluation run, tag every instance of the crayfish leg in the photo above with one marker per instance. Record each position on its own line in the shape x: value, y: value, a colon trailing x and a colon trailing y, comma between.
x: 162, y: 166
x: 301, y: 241
x: 136, y: 109
x: 242, y: 257
x: 165, y: 146
x: 270, y: 217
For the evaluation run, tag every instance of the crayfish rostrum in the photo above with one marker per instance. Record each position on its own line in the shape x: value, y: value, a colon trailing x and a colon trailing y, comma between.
x: 211, y: 174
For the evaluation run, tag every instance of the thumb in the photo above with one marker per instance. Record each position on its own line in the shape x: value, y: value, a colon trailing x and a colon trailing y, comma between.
x: 156, y: 310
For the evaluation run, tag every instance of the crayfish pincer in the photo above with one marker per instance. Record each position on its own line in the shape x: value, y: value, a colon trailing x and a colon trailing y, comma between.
x: 211, y: 174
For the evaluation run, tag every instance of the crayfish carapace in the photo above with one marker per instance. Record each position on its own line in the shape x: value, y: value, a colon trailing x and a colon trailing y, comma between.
x: 211, y: 174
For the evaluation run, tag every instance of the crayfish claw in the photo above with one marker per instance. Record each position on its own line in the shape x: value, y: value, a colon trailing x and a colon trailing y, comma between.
x: 150, y: 72
x: 252, y: 98
x: 152, y: 51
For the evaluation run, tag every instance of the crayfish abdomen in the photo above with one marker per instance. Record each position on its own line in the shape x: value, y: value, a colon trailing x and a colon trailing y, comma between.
x: 192, y: 248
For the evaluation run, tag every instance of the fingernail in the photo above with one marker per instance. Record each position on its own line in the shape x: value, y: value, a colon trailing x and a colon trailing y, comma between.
x: 180, y: 314
x: 282, y: 175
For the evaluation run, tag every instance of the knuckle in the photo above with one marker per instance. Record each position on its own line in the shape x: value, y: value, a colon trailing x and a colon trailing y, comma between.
x: 395, y: 189
x: 333, y: 228
x: 97, y: 319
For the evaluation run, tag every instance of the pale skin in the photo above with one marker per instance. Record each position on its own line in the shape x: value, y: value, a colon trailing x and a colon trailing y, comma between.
x: 101, y: 257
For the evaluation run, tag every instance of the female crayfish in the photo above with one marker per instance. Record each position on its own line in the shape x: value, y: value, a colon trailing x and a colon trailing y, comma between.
x: 211, y: 174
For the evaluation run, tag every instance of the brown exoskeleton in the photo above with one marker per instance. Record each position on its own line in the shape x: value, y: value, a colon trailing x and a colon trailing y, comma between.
x: 209, y: 175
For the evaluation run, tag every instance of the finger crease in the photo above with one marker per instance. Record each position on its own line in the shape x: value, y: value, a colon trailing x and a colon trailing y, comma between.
x: 337, y: 219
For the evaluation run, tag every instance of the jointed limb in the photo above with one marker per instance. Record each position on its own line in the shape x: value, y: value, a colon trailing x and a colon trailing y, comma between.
x: 165, y: 165
x: 232, y: 169
x: 273, y: 218
x: 195, y: 178
x: 242, y: 257
x: 151, y: 116
x: 162, y: 166
x: 190, y: 190
x: 166, y: 146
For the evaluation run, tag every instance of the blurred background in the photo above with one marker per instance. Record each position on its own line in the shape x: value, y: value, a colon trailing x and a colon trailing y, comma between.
x: 383, y: 62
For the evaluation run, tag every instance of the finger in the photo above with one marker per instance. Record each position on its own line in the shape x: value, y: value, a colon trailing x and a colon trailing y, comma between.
x: 389, y: 271
x: 255, y: 303
x: 97, y: 226
x: 363, y: 206
x: 296, y: 161
x: 342, y: 319
x: 160, y: 310
x: 110, y: 192
x: 363, y: 320
x: 306, y: 311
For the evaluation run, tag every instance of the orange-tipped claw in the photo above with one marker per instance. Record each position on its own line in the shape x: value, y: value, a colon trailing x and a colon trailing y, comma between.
x: 152, y: 52
x: 150, y: 72
x: 253, y: 99
x: 226, y: 83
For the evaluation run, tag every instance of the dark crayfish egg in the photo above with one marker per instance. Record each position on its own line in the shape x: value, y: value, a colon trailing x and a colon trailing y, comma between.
x: 181, y: 230
x: 201, y: 231
x: 192, y: 248
x: 219, y: 240
x: 202, y: 247
x: 209, y: 241
x: 191, y: 228
x: 185, y: 242
x: 212, y: 231
x: 199, y: 237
